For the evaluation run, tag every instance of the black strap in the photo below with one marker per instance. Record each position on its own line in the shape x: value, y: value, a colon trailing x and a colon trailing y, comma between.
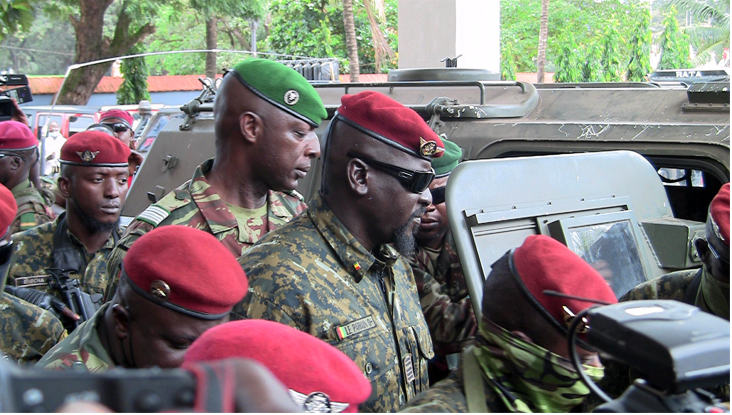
x: 66, y: 255
x: 693, y: 289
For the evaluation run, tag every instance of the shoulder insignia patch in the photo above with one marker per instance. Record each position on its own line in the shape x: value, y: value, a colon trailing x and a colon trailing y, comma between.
x: 154, y: 214
x: 27, y: 221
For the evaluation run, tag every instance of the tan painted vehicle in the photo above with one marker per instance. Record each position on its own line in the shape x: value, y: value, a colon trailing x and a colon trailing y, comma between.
x: 682, y: 134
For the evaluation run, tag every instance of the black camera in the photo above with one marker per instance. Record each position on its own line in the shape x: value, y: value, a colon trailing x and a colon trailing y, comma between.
x: 20, y: 93
x: 676, y: 347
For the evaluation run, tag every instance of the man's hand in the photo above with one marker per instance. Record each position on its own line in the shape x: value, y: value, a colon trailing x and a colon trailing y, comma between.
x: 19, y: 114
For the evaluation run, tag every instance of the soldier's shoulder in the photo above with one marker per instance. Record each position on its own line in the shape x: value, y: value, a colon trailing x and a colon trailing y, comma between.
x: 671, y: 286
x: 28, y: 331
x: 447, y: 396
x: 295, y: 239
x: 36, y: 236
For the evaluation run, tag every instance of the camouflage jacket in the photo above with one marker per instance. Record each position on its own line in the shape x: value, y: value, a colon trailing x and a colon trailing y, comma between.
x: 83, y: 349
x: 27, y: 331
x: 33, y: 210
x: 194, y: 204
x: 446, y: 269
x: 33, y: 255
x: 672, y: 286
x: 312, y: 274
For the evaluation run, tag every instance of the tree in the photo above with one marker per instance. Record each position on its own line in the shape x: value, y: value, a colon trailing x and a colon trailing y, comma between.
x: 351, y: 43
x: 47, y: 48
x: 92, y: 43
x: 674, y: 44
x: 592, y: 69
x: 508, y: 66
x: 134, y: 87
x: 639, y: 64
x: 569, y: 62
x: 15, y: 15
x: 709, y: 34
x: 611, y: 67
x: 543, y: 34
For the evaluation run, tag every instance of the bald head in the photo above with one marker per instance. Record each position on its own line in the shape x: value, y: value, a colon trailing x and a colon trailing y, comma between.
x: 232, y: 100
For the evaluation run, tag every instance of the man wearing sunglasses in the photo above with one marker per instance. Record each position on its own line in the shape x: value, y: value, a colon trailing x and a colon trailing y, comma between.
x: 333, y: 272
x: 437, y: 269
x: 121, y: 123
x: 18, y: 155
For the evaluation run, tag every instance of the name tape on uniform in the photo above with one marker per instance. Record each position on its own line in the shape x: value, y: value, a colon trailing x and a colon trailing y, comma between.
x: 32, y: 281
x: 355, y: 327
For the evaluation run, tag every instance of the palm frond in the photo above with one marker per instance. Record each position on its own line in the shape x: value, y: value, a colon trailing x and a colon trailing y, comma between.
x: 702, y: 11
x: 704, y: 55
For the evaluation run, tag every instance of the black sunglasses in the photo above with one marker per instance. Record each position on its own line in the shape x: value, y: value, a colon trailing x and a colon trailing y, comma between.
x: 724, y: 263
x: 11, y: 154
x: 438, y: 195
x: 118, y: 127
x: 412, y: 180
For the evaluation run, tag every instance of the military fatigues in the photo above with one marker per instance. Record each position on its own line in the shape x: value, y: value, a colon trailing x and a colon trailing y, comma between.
x: 33, y: 210
x: 82, y: 349
x: 445, y: 268
x: 194, y: 204
x: 312, y: 274
x: 34, y: 254
x: 27, y: 331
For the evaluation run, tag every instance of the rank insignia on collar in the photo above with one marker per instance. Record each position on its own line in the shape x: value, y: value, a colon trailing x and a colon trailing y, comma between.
x: 427, y: 148
x: 317, y: 402
x: 87, y: 156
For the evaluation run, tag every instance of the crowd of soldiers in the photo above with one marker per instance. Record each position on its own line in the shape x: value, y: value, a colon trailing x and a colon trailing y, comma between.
x: 353, y: 302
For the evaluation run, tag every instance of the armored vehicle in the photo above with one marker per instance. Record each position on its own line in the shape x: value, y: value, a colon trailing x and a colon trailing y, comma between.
x: 680, y: 134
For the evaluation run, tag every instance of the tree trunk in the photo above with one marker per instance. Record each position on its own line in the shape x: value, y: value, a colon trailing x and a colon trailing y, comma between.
x: 543, y: 34
x: 253, y: 44
x: 211, y: 44
x: 92, y: 45
x: 351, y: 44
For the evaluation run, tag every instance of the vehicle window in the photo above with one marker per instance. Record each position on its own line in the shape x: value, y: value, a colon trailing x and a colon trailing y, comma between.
x: 78, y: 123
x: 681, y: 177
x: 153, y: 132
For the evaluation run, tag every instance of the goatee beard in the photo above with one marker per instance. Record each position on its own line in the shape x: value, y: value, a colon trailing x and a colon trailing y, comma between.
x: 403, y: 239
x: 94, y: 225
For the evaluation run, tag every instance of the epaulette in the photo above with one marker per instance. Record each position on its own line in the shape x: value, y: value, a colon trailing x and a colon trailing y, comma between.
x: 157, y: 212
x: 27, y: 221
x: 295, y: 194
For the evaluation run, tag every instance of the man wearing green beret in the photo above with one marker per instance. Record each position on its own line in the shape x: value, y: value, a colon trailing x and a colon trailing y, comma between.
x: 436, y: 267
x: 266, y: 115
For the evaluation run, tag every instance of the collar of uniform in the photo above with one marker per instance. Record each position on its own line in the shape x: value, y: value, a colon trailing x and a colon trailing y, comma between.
x: 352, y: 254
x: 89, y: 339
x: 25, y: 184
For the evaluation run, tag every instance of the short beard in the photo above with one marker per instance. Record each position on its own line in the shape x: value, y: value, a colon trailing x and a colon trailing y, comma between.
x: 93, y: 225
x: 403, y: 239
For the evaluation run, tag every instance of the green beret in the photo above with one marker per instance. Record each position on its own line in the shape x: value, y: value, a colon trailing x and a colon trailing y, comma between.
x: 449, y: 160
x: 283, y: 87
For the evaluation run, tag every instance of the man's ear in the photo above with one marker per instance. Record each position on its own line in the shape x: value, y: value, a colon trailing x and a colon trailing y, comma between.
x: 358, y: 176
x: 64, y: 186
x: 250, y: 125
x: 15, y: 163
x: 702, y: 248
x: 121, y: 321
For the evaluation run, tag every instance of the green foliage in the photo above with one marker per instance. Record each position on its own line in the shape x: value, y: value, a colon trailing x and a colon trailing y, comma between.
x: 134, y: 87
x: 569, y: 62
x: 47, y: 48
x: 611, y: 67
x: 592, y: 69
x: 674, y: 44
x: 178, y: 29
x: 709, y: 32
x: 639, y: 64
x: 508, y: 66
x: 15, y: 16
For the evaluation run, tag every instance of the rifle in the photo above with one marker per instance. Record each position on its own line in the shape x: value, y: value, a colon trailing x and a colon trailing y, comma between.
x: 81, y: 303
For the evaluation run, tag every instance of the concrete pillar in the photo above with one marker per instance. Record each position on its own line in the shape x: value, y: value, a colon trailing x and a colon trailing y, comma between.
x: 430, y: 30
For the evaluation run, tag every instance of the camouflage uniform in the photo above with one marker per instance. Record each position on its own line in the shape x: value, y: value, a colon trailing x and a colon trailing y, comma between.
x: 446, y: 269
x: 82, y: 350
x: 27, y: 331
x: 194, y: 204
x: 312, y: 274
x: 33, y: 255
x: 33, y: 209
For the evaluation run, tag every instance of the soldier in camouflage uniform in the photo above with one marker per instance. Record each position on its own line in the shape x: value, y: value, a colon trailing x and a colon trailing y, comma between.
x: 519, y: 362
x: 452, y: 325
x: 158, y: 310
x: 27, y: 331
x: 20, y: 151
x: 94, y: 181
x: 266, y: 115
x: 331, y: 271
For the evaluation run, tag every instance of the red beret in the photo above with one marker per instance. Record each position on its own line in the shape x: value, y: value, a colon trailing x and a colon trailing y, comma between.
x: 120, y: 114
x: 320, y: 377
x: 15, y: 135
x: 8, y: 209
x: 391, y: 122
x: 543, y: 263
x: 94, y: 149
x: 719, y: 214
x: 186, y: 270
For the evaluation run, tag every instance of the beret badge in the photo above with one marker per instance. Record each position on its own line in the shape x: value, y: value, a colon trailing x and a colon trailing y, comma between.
x: 291, y: 97
x: 317, y: 402
x: 427, y: 148
x: 160, y: 290
x: 87, y: 156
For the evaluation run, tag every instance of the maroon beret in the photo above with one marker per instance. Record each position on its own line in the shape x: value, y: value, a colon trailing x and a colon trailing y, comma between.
x: 15, y: 135
x: 120, y: 114
x: 543, y: 263
x: 186, y: 270
x: 8, y: 209
x: 94, y: 149
x: 391, y: 122
x: 320, y: 377
x: 719, y: 214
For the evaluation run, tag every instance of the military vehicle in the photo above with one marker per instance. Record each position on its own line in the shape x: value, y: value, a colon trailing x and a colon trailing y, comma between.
x: 682, y: 134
